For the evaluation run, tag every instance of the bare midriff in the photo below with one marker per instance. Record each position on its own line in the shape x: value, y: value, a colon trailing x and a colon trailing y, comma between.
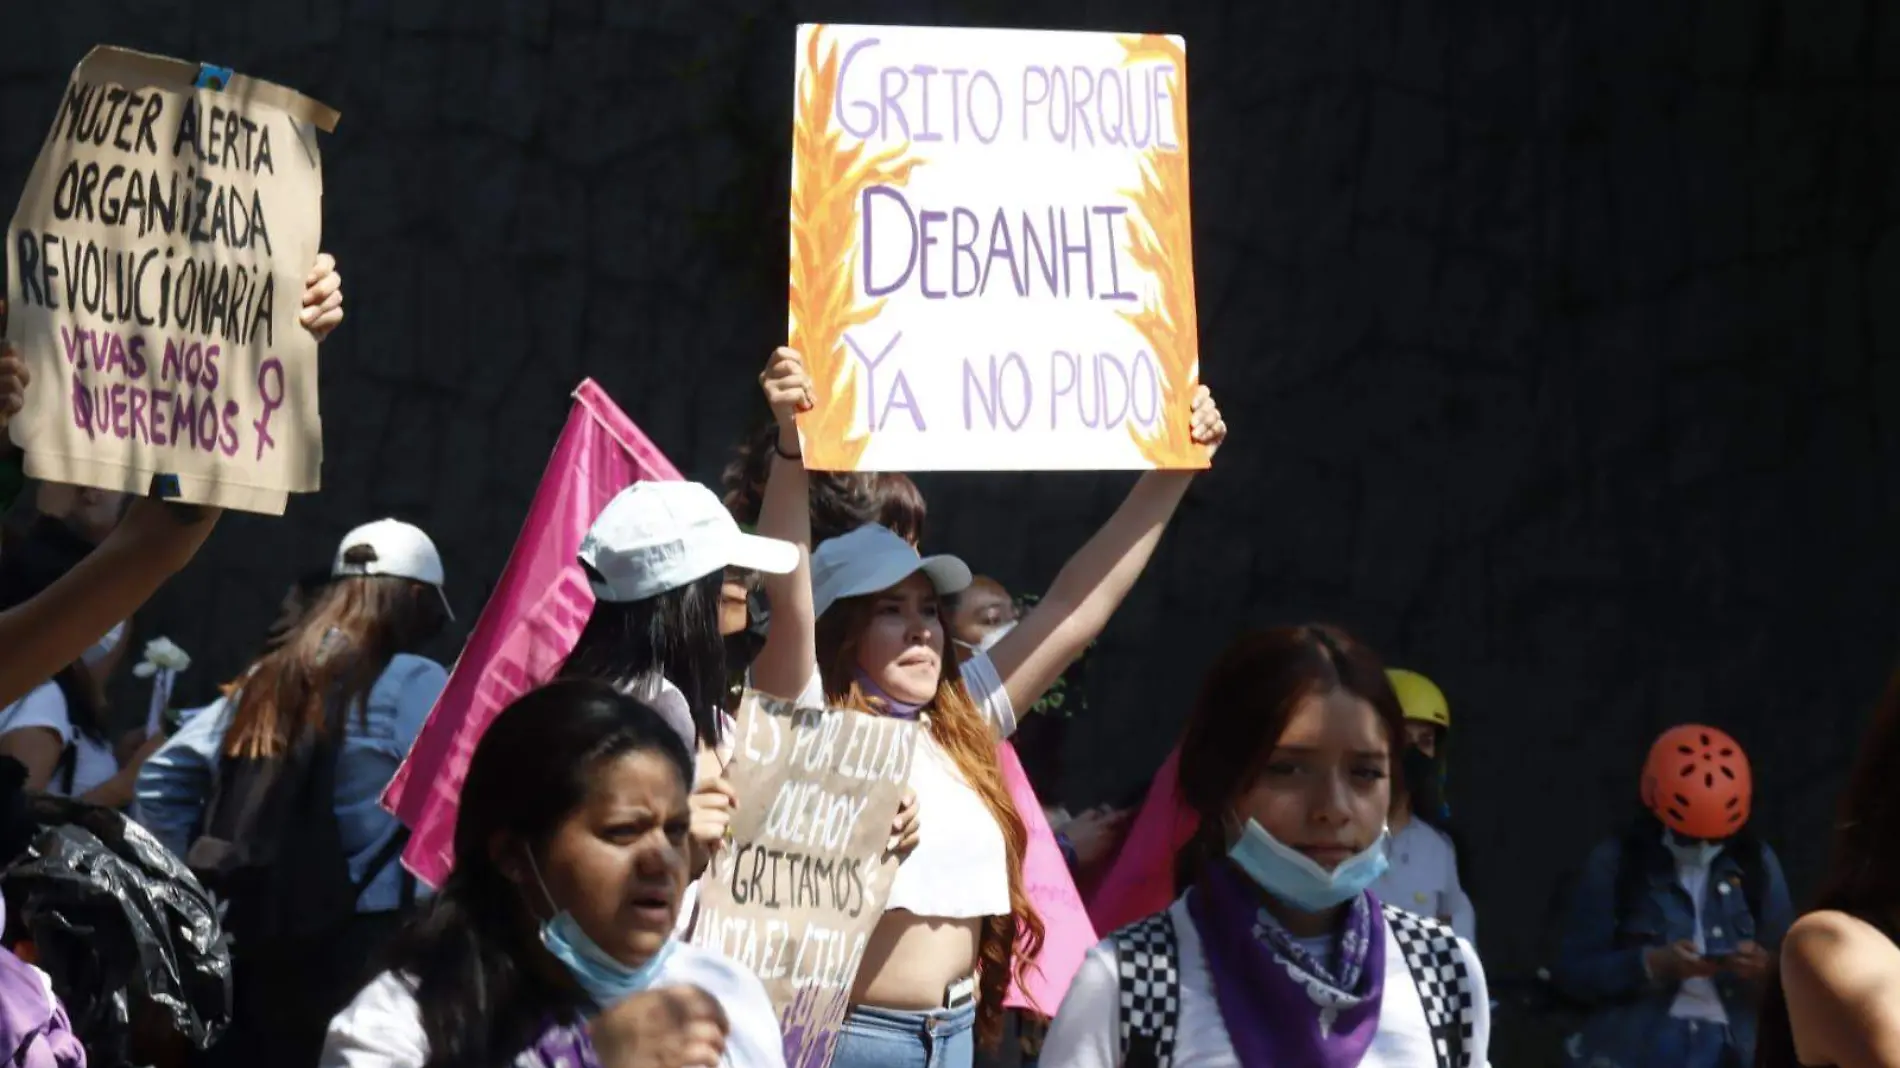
x: 911, y: 960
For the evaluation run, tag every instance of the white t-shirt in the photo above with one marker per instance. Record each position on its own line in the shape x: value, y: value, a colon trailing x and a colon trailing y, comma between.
x: 1423, y: 878
x: 382, y: 1028
x: 45, y: 706
x: 960, y: 867
x: 1087, y: 1031
x: 1697, y: 998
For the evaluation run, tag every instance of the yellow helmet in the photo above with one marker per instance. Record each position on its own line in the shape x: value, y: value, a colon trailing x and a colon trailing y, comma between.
x: 1421, y: 699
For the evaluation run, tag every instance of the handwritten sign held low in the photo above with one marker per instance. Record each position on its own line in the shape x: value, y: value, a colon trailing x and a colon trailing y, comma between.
x: 992, y: 261
x: 155, y: 271
x: 796, y: 892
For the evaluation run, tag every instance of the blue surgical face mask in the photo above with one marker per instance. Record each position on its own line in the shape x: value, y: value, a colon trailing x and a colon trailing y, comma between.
x: 1297, y: 879
x: 606, y: 980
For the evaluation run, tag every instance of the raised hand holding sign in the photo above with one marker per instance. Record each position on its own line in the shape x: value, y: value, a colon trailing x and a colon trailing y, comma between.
x: 161, y: 285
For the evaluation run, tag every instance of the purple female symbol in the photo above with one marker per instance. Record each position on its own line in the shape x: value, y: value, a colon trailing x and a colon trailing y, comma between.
x: 273, y: 400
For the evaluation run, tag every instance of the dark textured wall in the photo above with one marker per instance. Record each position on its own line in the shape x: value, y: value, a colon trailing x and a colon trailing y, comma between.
x: 1559, y: 343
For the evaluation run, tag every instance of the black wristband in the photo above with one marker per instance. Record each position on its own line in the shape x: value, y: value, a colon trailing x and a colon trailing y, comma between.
x: 778, y: 446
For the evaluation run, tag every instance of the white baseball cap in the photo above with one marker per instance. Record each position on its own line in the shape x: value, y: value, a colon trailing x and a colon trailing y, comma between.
x: 401, y: 551
x: 870, y: 559
x: 658, y: 536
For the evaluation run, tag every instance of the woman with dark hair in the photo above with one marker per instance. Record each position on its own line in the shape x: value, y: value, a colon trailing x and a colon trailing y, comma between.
x: 1673, y: 924
x: 658, y: 559
x: 841, y: 501
x: 861, y: 627
x: 1277, y: 954
x: 570, y: 858
x: 1832, y: 1002
x: 348, y: 685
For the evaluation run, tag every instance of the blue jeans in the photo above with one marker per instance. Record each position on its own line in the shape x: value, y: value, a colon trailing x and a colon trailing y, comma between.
x: 892, y: 1038
x: 1695, y: 1044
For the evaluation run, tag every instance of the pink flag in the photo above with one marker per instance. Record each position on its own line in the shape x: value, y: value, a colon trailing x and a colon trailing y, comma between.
x: 1066, y: 932
x: 1141, y: 881
x: 530, y: 623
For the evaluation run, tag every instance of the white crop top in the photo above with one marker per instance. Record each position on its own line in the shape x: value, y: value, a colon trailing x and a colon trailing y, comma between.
x: 960, y: 868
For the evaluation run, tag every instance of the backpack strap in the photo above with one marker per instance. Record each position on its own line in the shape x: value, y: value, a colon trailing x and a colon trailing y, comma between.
x: 382, y: 859
x: 1443, y: 977
x: 67, y: 767
x: 1148, y: 967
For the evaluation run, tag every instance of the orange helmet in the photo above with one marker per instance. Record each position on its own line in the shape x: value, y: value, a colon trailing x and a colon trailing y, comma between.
x: 1697, y: 782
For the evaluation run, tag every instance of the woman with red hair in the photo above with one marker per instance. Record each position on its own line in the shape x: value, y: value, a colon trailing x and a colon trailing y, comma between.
x: 860, y: 625
x: 1673, y: 926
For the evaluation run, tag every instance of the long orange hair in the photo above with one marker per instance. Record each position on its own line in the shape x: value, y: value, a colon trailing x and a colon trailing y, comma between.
x: 1008, y: 944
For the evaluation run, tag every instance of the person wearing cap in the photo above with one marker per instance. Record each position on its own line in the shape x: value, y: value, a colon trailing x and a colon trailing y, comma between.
x: 864, y: 629
x: 1424, y: 851
x: 357, y: 643
x: 657, y: 558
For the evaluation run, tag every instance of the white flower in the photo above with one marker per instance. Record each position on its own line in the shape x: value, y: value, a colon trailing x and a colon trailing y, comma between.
x: 161, y: 655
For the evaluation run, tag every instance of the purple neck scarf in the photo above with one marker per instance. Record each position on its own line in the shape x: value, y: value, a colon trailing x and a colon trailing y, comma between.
x: 1280, y: 1005
x: 892, y: 706
x: 561, y: 1045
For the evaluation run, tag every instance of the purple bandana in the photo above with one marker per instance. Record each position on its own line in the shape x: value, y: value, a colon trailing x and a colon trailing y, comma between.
x: 891, y: 705
x: 561, y: 1045
x: 1280, y: 1005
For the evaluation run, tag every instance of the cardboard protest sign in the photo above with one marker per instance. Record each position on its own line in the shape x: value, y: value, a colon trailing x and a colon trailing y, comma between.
x: 794, y: 895
x: 155, y: 272
x: 992, y: 260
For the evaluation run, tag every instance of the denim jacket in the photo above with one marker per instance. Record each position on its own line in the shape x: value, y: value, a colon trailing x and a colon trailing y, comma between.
x: 175, y: 783
x: 1601, y: 961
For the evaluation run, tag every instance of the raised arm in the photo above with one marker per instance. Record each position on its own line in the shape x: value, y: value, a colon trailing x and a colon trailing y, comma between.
x: 53, y: 629
x: 1095, y: 580
x: 784, y: 666
x: 153, y: 542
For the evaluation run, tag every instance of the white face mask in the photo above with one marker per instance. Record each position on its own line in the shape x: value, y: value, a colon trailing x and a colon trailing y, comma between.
x: 103, y: 648
x: 1691, y: 854
x: 994, y: 635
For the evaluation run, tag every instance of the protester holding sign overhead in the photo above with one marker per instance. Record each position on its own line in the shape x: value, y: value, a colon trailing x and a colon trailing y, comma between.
x: 862, y: 630
x: 153, y: 541
x: 551, y: 942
